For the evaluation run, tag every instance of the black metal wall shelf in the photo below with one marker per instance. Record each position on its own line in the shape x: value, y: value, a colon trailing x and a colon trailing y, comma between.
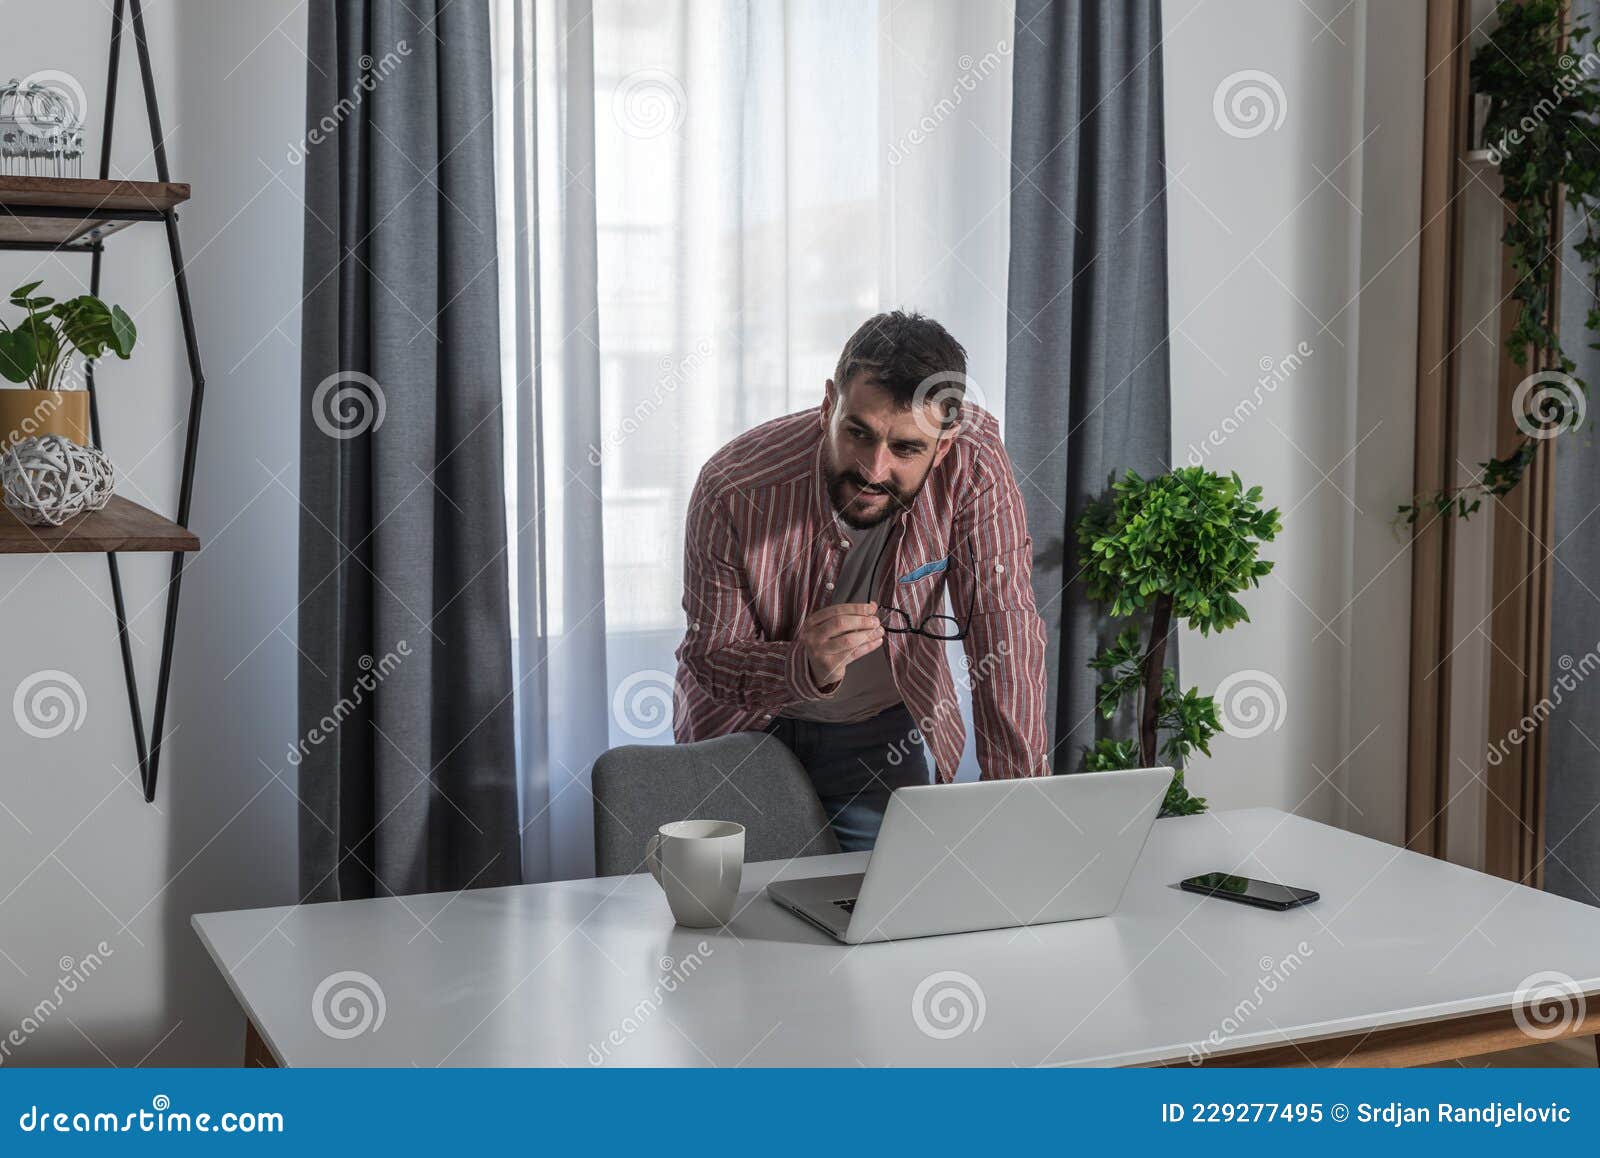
x: 71, y: 213
x: 76, y: 215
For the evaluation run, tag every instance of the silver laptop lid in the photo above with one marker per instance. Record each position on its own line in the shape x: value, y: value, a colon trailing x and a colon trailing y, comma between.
x: 951, y: 858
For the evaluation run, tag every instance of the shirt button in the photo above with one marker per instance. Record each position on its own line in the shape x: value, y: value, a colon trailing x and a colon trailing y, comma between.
x: 828, y: 586
x: 844, y: 544
x: 999, y: 566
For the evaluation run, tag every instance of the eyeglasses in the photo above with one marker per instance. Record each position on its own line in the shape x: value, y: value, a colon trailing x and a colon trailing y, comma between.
x: 934, y: 626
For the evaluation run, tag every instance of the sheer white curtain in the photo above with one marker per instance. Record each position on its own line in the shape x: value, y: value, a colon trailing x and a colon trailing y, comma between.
x: 700, y: 201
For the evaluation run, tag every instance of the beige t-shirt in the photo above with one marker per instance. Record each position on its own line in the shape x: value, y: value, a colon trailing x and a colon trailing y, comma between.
x: 868, y: 684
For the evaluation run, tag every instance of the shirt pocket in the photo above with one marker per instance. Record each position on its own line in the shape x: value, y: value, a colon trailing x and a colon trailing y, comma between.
x: 921, y: 582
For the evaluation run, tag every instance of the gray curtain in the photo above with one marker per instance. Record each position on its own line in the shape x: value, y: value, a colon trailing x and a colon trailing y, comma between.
x: 1086, y: 357
x: 1572, y: 744
x: 406, y: 757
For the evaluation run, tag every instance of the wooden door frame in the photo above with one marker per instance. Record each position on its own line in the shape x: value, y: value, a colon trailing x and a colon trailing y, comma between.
x: 1444, y: 141
x: 1523, y: 573
x: 1524, y: 521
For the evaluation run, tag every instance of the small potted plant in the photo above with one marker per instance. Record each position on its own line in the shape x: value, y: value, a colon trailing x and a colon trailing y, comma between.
x: 1163, y: 551
x: 38, y: 351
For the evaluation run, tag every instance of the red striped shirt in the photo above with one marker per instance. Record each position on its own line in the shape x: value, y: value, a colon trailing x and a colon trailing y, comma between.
x: 762, y: 552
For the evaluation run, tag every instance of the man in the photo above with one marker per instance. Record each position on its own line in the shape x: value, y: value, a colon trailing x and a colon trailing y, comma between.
x: 819, y: 551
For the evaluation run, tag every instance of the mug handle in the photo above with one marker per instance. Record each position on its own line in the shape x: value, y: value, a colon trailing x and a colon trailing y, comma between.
x: 652, y: 858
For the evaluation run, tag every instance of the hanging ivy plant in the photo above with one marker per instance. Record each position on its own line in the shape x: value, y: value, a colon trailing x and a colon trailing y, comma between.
x: 1542, y: 135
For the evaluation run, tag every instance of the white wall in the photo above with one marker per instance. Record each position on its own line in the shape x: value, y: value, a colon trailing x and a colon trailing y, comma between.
x: 82, y: 858
x: 1303, y: 234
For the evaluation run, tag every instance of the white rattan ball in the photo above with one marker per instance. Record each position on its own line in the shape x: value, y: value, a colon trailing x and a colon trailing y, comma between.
x: 48, y: 479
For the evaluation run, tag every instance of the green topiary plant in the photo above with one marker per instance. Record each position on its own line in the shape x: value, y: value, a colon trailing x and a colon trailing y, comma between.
x: 1175, y: 547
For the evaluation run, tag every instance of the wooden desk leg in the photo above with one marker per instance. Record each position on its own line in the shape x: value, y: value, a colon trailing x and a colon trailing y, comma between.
x: 256, y: 1053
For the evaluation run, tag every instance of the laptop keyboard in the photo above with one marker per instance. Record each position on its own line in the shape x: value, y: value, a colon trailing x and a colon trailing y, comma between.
x: 848, y: 904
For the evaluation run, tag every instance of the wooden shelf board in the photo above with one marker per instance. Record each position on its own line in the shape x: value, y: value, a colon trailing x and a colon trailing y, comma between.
x: 105, y: 206
x: 122, y: 526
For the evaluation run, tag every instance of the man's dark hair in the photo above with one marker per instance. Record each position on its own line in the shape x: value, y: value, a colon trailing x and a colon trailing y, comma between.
x: 901, y: 352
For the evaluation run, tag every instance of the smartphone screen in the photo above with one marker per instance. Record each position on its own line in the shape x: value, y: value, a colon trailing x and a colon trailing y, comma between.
x: 1249, y: 890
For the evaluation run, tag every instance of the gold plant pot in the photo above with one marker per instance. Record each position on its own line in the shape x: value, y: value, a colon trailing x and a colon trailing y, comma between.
x: 25, y: 413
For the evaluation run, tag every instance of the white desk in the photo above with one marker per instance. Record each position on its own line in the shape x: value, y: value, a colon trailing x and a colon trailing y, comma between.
x: 1405, y: 956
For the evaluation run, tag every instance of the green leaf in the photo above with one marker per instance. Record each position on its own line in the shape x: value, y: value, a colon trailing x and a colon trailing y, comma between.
x: 86, y: 324
x: 47, y: 347
x: 23, y: 291
x: 18, y: 356
x: 123, y: 332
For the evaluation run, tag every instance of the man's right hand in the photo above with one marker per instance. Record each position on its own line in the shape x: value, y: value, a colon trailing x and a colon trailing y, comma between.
x: 836, y: 635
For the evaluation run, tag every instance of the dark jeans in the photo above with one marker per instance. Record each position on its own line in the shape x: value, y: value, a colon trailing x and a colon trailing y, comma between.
x: 854, y: 767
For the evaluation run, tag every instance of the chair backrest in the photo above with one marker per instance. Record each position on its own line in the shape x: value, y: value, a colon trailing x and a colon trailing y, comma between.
x: 748, y: 777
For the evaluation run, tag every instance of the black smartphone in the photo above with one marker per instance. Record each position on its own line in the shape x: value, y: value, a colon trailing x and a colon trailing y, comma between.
x: 1248, y: 891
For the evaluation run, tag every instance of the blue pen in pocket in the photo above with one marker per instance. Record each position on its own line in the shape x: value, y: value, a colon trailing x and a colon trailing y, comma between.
x: 932, y: 567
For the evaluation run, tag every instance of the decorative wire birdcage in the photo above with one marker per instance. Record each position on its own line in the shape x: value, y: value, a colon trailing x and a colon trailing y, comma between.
x: 41, y: 130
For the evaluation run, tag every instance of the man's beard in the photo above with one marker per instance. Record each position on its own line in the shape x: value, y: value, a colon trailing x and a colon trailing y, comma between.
x: 839, y: 482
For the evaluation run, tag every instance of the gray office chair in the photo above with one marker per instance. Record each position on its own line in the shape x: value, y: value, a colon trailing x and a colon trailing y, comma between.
x: 749, y: 777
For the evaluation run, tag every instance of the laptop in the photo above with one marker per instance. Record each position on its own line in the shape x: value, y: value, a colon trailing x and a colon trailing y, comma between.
x: 993, y: 854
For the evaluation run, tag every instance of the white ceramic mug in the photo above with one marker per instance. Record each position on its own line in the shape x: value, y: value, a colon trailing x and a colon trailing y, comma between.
x: 698, y: 864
